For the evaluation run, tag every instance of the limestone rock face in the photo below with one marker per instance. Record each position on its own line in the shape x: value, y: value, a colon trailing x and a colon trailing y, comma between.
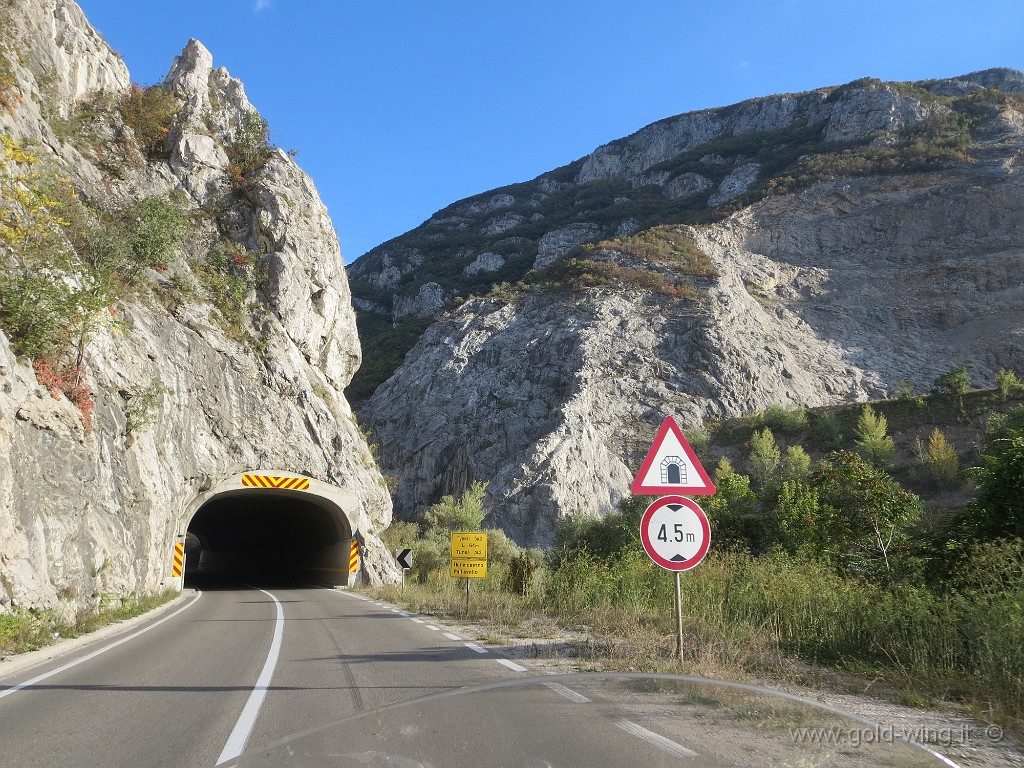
x: 72, y: 55
x: 735, y: 184
x: 834, y: 293
x: 427, y: 303
x: 699, y: 158
x: 556, y: 244
x: 485, y: 262
x: 85, y: 512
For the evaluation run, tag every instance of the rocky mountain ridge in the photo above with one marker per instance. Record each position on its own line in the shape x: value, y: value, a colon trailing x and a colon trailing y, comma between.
x: 241, y: 343
x: 804, y: 249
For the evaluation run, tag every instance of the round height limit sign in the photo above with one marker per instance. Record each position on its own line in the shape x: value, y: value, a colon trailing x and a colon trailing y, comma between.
x: 675, y: 533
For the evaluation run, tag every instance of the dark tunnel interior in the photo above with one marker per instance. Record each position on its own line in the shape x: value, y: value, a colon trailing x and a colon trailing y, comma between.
x: 265, y: 536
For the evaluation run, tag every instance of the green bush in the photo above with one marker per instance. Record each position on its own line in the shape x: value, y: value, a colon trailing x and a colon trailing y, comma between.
x: 249, y: 148
x: 828, y: 429
x: 601, y: 536
x: 578, y: 274
x: 955, y: 381
x: 150, y: 112
x: 1008, y: 383
x: 786, y: 420
x: 140, y: 410
x: 664, y: 245
x: 463, y: 514
x: 998, y: 510
x: 736, y: 522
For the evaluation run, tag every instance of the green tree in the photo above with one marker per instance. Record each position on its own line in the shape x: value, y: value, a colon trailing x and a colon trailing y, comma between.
x: 463, y: 514
x: 796, y: 464
x: 942, y: 459
x: 735, y: 520
x: 998, y: 510
x: 872, y: 441
x: 866, y: 517
x: 764, y: 457
x: 955, y: 381
x: 802, y: 530
x: 1008, y: 383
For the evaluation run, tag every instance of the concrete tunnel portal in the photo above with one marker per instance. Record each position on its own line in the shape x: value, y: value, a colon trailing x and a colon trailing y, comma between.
x: 242, y: 532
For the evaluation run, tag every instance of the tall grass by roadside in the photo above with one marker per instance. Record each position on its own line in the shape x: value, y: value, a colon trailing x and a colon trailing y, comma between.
x: 27, y: 629
x: 757, y: 614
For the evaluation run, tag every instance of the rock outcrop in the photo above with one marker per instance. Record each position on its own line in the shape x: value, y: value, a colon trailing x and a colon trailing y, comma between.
x: 85, y: 512
x: 837, y: 274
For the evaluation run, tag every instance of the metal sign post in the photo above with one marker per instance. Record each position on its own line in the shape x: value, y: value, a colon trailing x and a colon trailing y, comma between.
x: 675, y: 532
x: 676, y: 535
x: 468, y: 558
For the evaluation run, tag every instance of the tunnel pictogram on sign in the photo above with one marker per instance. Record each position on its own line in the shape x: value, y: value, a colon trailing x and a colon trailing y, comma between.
x: 270, y: 481
x: 179, y: 560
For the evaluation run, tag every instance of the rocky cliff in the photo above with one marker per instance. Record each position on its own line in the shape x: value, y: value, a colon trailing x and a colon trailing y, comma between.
x: 228, y: 356
x: 802, y: 249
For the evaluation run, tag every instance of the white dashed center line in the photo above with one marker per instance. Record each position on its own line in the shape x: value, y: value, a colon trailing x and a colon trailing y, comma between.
x: 676, y: 750
x: 568, y: 693
x: 511, y: 665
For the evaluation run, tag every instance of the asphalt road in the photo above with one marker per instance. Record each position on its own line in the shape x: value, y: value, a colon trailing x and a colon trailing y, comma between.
x: 230, y: 671
x: 174, y: 695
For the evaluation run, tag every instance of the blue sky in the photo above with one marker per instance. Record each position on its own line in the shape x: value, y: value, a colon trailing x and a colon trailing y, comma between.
x: 401, y: 107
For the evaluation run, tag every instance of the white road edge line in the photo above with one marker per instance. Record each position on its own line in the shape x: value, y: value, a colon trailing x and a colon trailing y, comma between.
x: 419, y: 621
x: 450, y: 636
x: 676, y: 750
x: 432, y: 628
x: 511, y: 665
x: 96, y: 653
x: 568, y: 693
x: 240, y: 733
x: 475, y: 647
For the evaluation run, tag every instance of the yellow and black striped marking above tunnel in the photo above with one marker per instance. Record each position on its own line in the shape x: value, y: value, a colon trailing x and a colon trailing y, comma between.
x: 271, y: 481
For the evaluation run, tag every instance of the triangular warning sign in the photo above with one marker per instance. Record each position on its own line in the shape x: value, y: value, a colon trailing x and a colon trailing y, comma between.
x: 671, y: 466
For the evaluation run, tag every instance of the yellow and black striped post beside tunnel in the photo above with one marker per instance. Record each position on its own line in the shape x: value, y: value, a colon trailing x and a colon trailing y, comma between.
x: 353, y: 557
x: 272, y: 481
x: 179, y: 559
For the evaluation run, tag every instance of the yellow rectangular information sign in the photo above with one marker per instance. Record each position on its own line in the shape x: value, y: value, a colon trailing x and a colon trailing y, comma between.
x: 469, y: 546
x: 468, y: 569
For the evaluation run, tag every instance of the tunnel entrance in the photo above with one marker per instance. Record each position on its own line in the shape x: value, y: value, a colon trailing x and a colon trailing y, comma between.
x: 267, y: 535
